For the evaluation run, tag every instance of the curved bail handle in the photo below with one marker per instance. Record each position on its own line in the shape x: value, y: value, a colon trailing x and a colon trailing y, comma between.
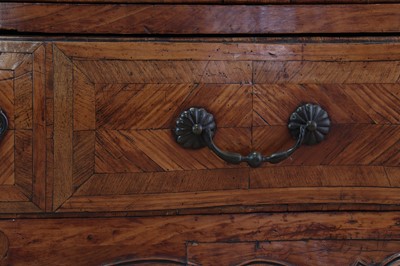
x: 255, y: 158
x: 195, y: 128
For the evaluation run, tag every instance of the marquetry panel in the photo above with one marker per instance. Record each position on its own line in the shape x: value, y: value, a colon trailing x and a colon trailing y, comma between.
x: 347, y: 103
x: 128, y: 106
x: 23, y: 150
x: 114, y: 114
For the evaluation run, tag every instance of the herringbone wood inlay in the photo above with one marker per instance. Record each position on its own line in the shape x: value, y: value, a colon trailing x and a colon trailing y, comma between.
x: 359, y: 144
x: 83, y: 160
x: 7, y: 144
x: 7, y: 96
x: 347, y: 103
x: 91, y: 174
x: 139, y: 108
x: 7, y: 159
x: 22, y: 150
x: 123, y: 113
x: 24, y: 160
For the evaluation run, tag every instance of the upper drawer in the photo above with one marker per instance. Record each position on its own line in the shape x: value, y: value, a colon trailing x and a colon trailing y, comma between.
x: 116, y: 103
x: 23, y: 146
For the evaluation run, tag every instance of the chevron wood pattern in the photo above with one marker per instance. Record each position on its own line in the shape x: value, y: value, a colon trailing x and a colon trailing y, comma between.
x: 119, y: 146
x: 84, y: 103
x: 83, y: 156
x: 360, y: 144
x: 7, y: 98
x: 348, y: 103
x: 155, y: 150
x: 24, y: 160
x: 141, y: 107
x: 23, y: 151
x: 23, y: 96
x: 117, y: 153
x: 7, y: 159
x: 7, y: 144
x: 157, y: 106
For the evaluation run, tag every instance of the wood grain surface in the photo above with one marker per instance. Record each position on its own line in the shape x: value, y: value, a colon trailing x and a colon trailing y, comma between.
x: 91, y: 133
x: 23, y: 150
x: 291, y: 238
x: 63, y: 128
x: 243, y: 49
x: 4, y: 244
x: 39, y: 128
x: 108, y: 118
x: 227, y: 197
x: 125, y: 102
x: 299, y: 253
x: 198, y: 19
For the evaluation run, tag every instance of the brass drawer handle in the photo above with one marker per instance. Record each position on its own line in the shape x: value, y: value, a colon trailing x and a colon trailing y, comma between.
x: 3, y: 124
x: 195, y: 128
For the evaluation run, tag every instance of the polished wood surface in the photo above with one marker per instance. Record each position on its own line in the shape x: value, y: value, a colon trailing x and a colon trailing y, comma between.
x: 124, y: 157
x: 336, y: 238
x: 301, y: 253
x: 242, y: 49
x: 102, y: 117
x: 198, y: 19
x: 23, y: 150
x: 90, y: 173
x: 62, y: 127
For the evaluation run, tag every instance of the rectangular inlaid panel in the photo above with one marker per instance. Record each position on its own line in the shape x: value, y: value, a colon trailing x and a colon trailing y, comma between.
x: 114, y: 115
x: 23, y: 148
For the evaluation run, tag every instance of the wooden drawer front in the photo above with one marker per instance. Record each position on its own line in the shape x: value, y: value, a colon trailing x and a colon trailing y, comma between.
x: 116, y: 104
x: 23, y: 148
